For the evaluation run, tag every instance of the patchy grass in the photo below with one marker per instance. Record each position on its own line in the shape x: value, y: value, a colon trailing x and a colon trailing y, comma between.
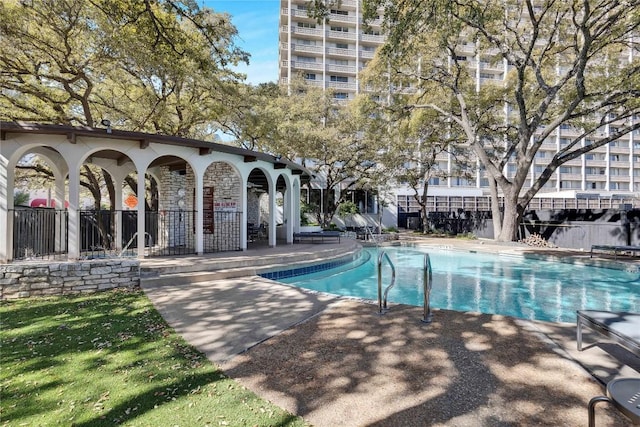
x: 109, y: 358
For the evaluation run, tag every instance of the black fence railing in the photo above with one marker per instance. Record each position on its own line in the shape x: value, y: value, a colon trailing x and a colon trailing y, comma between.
x: 223, y: 233
x: 175, y: 232
x: 42, y: 233
x: 39, y: 233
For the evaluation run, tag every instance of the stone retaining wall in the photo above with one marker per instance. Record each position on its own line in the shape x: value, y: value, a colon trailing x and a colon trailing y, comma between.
x: 59, y: 278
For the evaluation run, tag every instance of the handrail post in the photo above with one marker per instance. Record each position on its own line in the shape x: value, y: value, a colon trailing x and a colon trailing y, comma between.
x: 380, y: 282
x: 428, y: 278
x: 393, y: 281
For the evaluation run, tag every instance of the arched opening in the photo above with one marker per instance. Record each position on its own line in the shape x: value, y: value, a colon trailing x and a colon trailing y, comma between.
x: 39, y: 217
x: 221, y: 216
x: 258, y: 209
x: 172, y: 219
x: 283, y: 209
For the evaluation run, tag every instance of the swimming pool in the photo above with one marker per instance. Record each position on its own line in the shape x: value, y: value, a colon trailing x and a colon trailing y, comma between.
x: 487, y: 283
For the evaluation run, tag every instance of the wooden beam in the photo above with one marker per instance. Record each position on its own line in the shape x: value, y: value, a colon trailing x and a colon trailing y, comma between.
x: 144, y: 143
x: 296, y: 172
x: 205, y: 150
x: 71, y: 137
x: 249, y: 159
x: 279, y: 166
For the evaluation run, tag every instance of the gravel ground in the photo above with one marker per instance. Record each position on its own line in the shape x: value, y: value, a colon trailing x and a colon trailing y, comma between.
x: 336, y: 362
x: 348, y: 366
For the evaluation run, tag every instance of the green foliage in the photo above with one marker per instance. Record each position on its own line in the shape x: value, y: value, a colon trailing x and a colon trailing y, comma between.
x: 347, y: 208
x: 159, y: 67
x: 305, y: 210
x: 21, y: 199
x: 566, y: 63
x: 110, y: 359
x: 306, y: 125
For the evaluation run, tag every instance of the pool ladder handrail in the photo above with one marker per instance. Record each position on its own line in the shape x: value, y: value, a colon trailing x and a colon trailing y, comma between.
x: 427, y: 281
x: 382, y: 302
x: 126, y: 247
x: 373, y: 238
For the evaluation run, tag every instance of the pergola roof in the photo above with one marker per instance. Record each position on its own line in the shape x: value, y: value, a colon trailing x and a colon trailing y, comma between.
x: 205, y: 147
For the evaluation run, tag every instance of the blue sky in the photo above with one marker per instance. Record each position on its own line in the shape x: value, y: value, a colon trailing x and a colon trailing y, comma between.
x: 257, y: 24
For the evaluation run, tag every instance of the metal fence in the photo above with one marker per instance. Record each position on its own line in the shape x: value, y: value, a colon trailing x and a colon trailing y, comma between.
x: 175, y: 233
x: 223, y: 232
x: 42, y: 233
x: 39, y: 233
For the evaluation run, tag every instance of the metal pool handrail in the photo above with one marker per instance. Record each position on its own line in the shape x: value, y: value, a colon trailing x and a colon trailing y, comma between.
x: 427, y: 281
x: 382, y: 304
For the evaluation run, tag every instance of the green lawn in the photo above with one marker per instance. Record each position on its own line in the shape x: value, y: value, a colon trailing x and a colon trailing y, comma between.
x: 109, y: 358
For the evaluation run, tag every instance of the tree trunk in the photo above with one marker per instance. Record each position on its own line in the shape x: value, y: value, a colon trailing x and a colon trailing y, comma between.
x: 496, y: 214
x: 511, y: 219
x: 423, y: 207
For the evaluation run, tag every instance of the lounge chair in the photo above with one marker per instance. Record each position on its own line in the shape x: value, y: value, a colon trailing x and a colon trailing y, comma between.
x: 317, y: 236
x: 616, y: 249
x: 621, y: 327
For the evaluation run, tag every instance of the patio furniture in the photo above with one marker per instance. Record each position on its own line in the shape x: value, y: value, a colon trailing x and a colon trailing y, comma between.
x: 316, y: 237
x: 624, y: 395
x: 616, y: 249
x: 621, y: 327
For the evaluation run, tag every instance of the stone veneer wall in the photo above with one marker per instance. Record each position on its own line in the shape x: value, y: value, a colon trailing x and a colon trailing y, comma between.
x: 226, y: 185
x: 61, y: 278
x: 178, y: 228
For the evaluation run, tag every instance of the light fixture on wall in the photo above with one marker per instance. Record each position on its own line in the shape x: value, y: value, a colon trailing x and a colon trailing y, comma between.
x: 106, y: 123
x: 181, y: 193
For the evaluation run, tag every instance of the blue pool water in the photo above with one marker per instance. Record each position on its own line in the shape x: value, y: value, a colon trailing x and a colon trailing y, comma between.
x: 487, y: 283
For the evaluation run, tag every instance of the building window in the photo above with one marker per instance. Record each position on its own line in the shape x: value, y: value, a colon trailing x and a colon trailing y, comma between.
x: 341, y: 95
x: 340, y: 29
x: 341, y: 62
x: 306, y: 59
x: 341, y: 79
x: 364, y: 200
x: 310, y: 76
x: 342, y: 46
x: 339, y: 12
x: 306, y: 24
x: 461, y: 58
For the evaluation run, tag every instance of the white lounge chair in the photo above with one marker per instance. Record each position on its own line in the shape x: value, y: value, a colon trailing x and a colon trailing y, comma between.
x: 621, y: 327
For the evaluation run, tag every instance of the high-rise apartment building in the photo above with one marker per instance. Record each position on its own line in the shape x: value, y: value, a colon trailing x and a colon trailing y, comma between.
x: 332, y: 55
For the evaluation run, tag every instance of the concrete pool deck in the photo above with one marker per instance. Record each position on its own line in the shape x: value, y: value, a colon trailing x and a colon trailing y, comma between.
x: 336, y: 362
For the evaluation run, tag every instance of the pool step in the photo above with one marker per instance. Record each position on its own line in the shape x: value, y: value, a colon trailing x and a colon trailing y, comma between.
x: 195, y: 277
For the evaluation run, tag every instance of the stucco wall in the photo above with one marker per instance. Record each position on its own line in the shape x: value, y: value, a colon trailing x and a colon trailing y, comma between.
x: 39, y: 279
